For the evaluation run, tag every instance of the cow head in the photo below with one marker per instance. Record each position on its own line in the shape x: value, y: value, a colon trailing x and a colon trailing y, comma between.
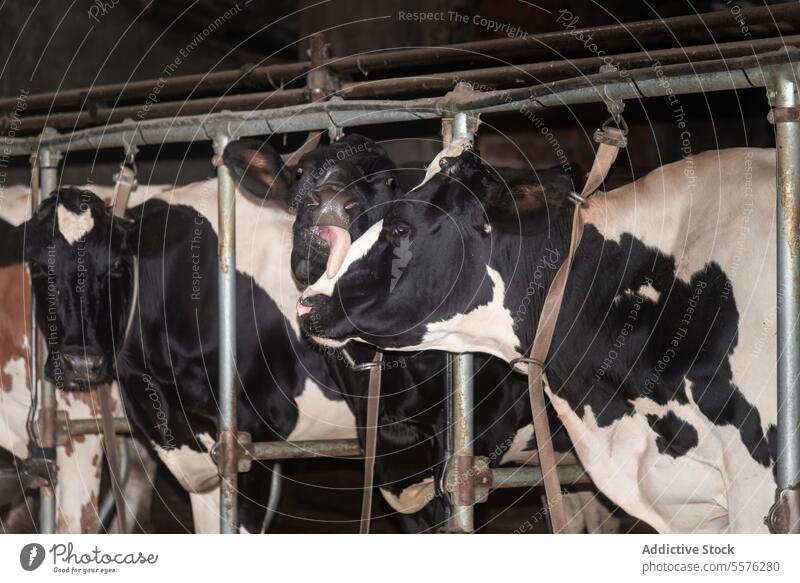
x: 82, y: 276
x: 337, y: 191
x: 434, y: 272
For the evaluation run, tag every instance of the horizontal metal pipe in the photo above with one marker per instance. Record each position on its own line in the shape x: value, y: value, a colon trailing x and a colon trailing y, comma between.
x: 529, y: 476
x: 522, y: 75
x: 273, y: 76
x: 283, y: 450
x: 491, y: 50
x: 91, y: 426
x: 739, y: 73
x: 477, y: 52
x: 525, y: 75
x: 141, y: 112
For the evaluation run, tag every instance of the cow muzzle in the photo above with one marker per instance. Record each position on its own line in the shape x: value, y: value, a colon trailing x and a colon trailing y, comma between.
x: 83, y: 369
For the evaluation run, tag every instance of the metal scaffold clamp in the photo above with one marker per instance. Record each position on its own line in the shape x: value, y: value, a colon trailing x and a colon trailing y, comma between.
x: 614, y: 130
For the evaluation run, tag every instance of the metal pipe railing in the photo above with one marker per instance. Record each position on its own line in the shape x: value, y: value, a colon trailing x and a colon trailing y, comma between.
x: 227, y: 341
x: 48, y: 423
x: 486, y: 78
x: 531, y: 476
x: 469, y: 53
x: 282, y: 450
x: 785, y: 101
x: 719, y: 75
x: 461, y: 463
x: 725, y: 75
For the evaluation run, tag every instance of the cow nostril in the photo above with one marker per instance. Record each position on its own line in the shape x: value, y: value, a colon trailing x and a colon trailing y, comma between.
x: 83, y: 365
x: 314, y: 200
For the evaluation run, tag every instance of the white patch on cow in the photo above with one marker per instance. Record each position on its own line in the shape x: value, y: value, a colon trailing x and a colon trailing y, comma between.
x: 519, y: 451
x: 453, y: 150
x: 717, y: 206
x: 205, y: 511
x: 74, y: 226
x: 413, y: 498
x: 194, y: 470
x: 320, y: 417
x: 263, y: 239
x: 488, y: 328
x: 649, y: 292
x: 360, y: 247
x: 709, y: 489
x: 14, y: 403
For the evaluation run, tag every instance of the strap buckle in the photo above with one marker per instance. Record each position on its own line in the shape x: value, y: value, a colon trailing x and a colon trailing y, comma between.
x: 530, y: 359
x: 613, y: 136
x: 366, y: 366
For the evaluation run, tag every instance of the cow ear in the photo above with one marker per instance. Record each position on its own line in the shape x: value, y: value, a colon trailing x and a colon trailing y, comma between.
x: 257, y: 167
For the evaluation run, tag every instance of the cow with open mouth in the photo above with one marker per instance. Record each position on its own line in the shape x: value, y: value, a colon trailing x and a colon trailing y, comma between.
x: 662, y: 364
x: 135, y: 299
x: 336, y: 202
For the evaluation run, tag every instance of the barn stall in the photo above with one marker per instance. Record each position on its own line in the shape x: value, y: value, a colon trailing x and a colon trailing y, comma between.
x: 709, y: 58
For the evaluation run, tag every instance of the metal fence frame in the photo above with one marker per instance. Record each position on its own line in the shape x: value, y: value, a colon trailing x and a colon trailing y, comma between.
x: 776, y: 71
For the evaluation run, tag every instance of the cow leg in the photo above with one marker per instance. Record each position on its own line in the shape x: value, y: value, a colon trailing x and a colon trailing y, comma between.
x: 139, y: 488
x: 587, y: 514
x: 205, y: 511
x: 750, y: 486
x: 79, y: 467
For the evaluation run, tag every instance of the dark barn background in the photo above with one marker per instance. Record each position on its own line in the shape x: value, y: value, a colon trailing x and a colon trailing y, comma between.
x: 53, y: 46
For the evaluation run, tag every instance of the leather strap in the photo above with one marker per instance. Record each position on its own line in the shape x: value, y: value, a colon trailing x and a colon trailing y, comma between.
x: 111, y: 444
x: 373, y: 401
x: 312, y: 141
x: 606, y: 154
x: 125, y: 183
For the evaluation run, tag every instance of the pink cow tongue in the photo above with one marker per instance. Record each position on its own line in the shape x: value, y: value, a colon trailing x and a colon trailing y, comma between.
x: 338, y: 240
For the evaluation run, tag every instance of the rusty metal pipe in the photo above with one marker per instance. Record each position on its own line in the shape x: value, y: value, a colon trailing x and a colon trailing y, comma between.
x: 782, y: 90
x: 530, y: 476
x: 48, y: 422
x: 284, y: 450
x: 275, y: 76
x: 227, y: 342
x: 485, y: 79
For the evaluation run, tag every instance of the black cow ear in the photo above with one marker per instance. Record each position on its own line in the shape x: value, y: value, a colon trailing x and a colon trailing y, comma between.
x: 257, y: 167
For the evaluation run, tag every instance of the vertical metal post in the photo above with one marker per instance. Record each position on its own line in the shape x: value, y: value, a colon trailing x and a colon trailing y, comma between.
x: 782, y: 88
x: 227, y: 436
x: 461, y: 377
x: 47, y: 434
x: 462, y: 519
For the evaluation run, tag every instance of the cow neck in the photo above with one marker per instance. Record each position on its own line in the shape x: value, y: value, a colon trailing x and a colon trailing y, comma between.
x: 528, y: 265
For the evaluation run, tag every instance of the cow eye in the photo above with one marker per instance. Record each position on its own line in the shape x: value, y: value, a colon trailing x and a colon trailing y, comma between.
x: 391, y: 183
x: 299, y: 173
x: 116, y: 266
x: 399, y: 230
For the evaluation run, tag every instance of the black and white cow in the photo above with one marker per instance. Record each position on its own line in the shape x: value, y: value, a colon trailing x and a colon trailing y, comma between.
x: 662, y: 368
x: 338, y: 192
x: 82, y: 261
x: 80, y: 460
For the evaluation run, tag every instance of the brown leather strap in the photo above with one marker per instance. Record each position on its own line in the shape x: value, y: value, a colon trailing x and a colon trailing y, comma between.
x: 373, y: 401
x: 312, y: 141
x: 124, y: 185
x: 606, y: 154
x: 111, y: 444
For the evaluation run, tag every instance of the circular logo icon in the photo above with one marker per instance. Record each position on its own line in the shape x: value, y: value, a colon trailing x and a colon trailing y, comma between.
x: 31, y: 556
